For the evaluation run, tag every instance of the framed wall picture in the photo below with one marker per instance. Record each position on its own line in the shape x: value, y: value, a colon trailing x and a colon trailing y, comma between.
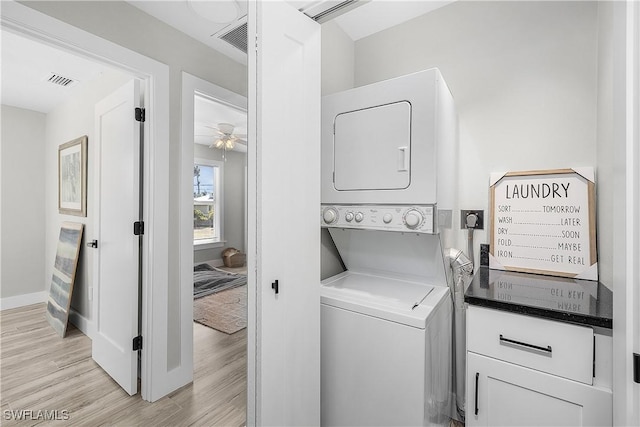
x: 72, y: 177
x: 544, y: 222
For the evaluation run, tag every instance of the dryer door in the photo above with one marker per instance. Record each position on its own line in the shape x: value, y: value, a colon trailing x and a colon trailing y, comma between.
x: 372, y: 148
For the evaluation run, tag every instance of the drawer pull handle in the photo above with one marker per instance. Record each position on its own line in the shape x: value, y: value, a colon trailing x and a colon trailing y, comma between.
x: 507, y: 341
x: 477, y: 375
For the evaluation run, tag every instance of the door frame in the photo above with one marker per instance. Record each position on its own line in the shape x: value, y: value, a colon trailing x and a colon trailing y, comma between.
x: 626, y: 234
x: 154, y: 75
x: 190, y: 86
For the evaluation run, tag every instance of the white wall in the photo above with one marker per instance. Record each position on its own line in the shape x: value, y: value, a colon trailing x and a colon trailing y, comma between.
x: 524, y: 79
x: 338, y: 61
x: 121, y: 23
x: 68, y: 121
x: 338, y: 58
x: 234, y: 201
x: 23, y: 205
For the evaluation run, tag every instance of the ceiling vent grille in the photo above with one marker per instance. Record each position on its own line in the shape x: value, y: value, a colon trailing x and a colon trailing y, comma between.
x: 59, y: 80
x: 236, y: 37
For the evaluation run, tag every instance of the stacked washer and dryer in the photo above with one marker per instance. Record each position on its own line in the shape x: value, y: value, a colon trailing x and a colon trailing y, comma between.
x: 389, y: 181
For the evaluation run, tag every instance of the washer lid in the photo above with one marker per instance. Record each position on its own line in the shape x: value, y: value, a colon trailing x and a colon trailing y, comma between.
x: 417, y: 257
x: 388, y: 298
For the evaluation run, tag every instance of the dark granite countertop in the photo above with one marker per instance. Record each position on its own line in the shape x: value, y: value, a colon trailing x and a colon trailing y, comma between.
x: 570, y: 300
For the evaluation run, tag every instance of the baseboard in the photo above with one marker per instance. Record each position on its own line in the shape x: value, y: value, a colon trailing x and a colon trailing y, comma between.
x: 23, y: 300
x: 85, y: 325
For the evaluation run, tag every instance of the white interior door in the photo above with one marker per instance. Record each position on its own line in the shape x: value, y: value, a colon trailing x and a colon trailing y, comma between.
x: 284, y: 206
x: 117, y: 155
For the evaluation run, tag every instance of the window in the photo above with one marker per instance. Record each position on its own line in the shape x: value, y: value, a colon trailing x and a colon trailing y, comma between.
x: 207, y: 202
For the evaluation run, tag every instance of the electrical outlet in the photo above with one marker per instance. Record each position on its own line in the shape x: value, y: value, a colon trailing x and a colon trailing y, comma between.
x: 479, y: 223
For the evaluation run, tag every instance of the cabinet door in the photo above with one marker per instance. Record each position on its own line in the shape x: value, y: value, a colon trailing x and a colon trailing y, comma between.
x: 503, y: 394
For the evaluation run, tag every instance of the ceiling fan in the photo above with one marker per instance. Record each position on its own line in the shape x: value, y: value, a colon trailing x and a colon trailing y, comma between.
x: 225, y: 138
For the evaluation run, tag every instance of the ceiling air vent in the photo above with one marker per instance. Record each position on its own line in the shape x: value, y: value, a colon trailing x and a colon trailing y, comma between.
x: 236, y: 37
x: 59, y: 80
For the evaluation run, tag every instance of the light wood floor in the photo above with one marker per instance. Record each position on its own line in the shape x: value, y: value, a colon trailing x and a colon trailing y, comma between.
x: 40, y: 371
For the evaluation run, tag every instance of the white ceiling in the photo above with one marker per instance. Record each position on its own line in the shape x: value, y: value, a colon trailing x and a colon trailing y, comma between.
x: 26, y: 63
x: 196, y: 18
x: 378, y: 15
x: 25, y: 66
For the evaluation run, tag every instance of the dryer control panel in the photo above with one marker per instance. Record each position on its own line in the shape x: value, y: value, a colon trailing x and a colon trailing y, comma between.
x: 412, y: 218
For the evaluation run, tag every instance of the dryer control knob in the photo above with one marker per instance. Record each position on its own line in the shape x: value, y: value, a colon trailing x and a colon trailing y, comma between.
x: 349, y: 216
x: 359, y: 217
x: 413, y: 218
x: 330, y: 215
x: 387, y: 218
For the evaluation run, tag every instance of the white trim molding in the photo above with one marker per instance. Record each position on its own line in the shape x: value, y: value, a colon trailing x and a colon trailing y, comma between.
x: 23, y: 300
x: 85, y: 325
x: 626, y: 235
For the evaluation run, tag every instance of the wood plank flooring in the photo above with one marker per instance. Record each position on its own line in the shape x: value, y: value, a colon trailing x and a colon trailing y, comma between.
x: 39, y: 371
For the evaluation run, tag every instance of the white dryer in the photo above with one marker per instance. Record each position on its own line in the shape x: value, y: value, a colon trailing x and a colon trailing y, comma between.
x: 393, y: 141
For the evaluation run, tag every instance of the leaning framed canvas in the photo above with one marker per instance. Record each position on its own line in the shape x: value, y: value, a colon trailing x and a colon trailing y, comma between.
x: 72, y: 177
x: 64, y: 274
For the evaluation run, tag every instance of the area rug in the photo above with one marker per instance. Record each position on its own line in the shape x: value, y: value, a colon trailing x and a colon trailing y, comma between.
x: 208, y: 280
x: 225, y: 311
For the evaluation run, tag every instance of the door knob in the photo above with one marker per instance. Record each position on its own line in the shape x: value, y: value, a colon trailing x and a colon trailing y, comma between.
x: 93, y: 244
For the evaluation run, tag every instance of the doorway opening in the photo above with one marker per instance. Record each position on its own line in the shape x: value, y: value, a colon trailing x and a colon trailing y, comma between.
x: 154, y: 77
x: 213, y: 235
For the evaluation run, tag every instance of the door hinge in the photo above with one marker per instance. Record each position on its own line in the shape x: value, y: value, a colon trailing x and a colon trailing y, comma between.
x: 636, y: 367
x: 140, y: 116
x: 137, y: 343
x: 138, y: 228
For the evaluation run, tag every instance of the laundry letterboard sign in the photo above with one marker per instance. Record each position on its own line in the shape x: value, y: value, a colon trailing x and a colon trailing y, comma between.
x: 544, y: 222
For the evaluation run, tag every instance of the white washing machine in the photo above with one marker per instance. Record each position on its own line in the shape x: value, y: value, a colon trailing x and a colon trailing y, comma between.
x: 385, y: 358
x: 386, y: 327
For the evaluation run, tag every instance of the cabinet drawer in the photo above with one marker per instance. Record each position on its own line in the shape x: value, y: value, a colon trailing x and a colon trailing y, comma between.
x: 554, y: 347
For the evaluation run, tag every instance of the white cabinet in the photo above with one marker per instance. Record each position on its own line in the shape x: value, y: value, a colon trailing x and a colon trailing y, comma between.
x: 524, y: 371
